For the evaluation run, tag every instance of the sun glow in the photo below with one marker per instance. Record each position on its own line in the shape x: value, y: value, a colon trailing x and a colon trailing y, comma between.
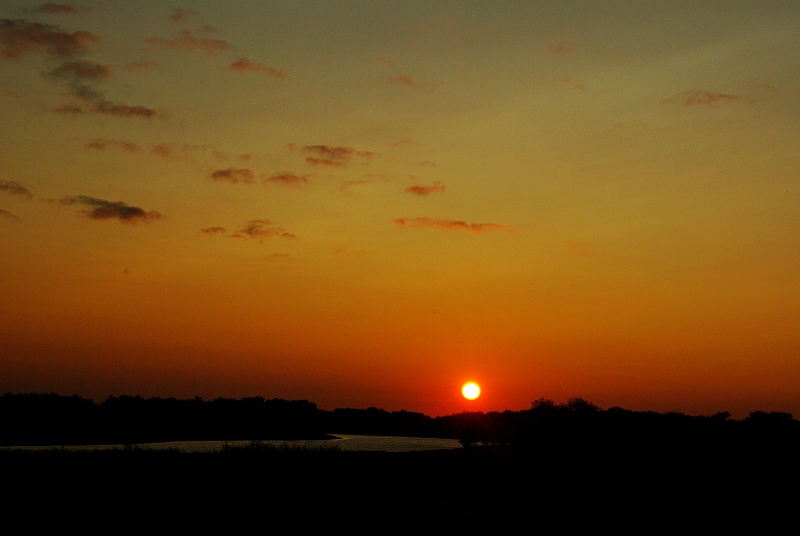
x: 471, y: 390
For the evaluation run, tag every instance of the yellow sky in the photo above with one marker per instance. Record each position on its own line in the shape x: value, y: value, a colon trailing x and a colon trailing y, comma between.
x: 369, y: 203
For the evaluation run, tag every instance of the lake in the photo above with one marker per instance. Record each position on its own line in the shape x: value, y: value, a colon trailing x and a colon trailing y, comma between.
x: 348, y: 442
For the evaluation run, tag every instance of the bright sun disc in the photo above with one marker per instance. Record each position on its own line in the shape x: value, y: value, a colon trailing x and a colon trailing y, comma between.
x: 471, y: 390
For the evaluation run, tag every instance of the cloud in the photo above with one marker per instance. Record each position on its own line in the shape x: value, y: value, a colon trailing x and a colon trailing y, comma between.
x: 213, y: 230
x: 79, y: 75
x: 405, y: 80
x: 260, y: 230
x: 135, y: 66
x: 561, y: 50
x: 334, y: 156
x: 103, y: 144
x: 182, y: 16
x: 77, y: 71
x: 450, y: 225
x: 574, y: 84
x: 108, y: 210
x: 8, y: 216
x: 18, y: 37
x: 15, y: 188
x: 106, y: 107
x: 185, y: 40
x: 425, y: 190
x: 696, y: 97
x: 58, y: 9
x: 384, y: 61
x: 427, y: 163
x: 580, y: 248
x: 243, y: 65
x: 288, y: 179
x: 234, y: 175
x: 399, y: 143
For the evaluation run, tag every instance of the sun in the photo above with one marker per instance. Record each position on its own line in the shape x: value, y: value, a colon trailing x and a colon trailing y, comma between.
x: 471, y: 390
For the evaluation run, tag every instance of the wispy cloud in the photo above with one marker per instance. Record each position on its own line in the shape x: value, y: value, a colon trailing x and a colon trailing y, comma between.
x: 427, y: 163
x: 340, y: 156
x: 561, y: 50
x: 243, y: 65
x: 450, y: 225
x: 101, y: 209
x: 400, y: 143
x: 234, y: 175
x: 59, y: 9
x: 186, y: 40
x: 384, y: 61
x: 574, y: 84
x: 581, y: 248
x: 103, y: 144
x: 15, y: 188
x: 79, y: 76
x: 261, y: 230
x: 19, y: 37
x: 213, y: 230
x: 425, y: 190
x: 182, y: 16
x: 287, y: 179
x: 697, y: 97
x: 405, y: 80
x: 4, y: 214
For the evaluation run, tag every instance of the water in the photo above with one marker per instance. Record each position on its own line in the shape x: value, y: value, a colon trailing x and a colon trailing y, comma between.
x: 347, y: 442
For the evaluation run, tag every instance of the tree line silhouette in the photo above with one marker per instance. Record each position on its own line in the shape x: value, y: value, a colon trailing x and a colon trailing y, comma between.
x: 50, y: 419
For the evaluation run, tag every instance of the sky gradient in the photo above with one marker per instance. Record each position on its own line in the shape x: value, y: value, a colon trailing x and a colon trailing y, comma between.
x: 369, y: 203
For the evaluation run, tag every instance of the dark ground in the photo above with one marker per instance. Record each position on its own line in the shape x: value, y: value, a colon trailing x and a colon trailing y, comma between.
x: 550, y: 488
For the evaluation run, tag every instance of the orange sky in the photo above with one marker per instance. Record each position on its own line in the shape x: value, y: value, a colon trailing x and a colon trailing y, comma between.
x: 369, y: 203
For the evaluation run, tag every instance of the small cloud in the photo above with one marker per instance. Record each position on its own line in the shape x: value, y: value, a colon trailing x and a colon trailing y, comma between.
x: 262, y: 229
x: 58, y: 9
x: 425, y: 190
x: 213, y: 230
x: 182, y: 16
x: 426, y: 163
x: 405, y: 80
x: 4, y: 214
x: 136, y: 66
x: 18, y: 37
x: 400, y: 143
x: 580, y: 248
x: 288, y: 179
x: 172, y: 151
x: 450, y: 225
x: 234, y: 175
x: 384, y: 61
x: 106, y: 107
x: 561, y: 50
x: 244, y: 157
x: 314, y: 161
x: 277, y: 255
x: 185, y: 40
x: 574, y: 84
x: 77, y: 71
x: 107, y: 210
x: 696, y: 97
x: 103, y: 144
x: 346, y: 185
x: 334, y: 156
x: 243, y: 65
x: 68, y: 109
x: 291, y: 147
x: 15, y: 188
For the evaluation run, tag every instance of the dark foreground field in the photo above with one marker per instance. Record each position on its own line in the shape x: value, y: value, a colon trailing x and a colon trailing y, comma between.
x: 549, y: 488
